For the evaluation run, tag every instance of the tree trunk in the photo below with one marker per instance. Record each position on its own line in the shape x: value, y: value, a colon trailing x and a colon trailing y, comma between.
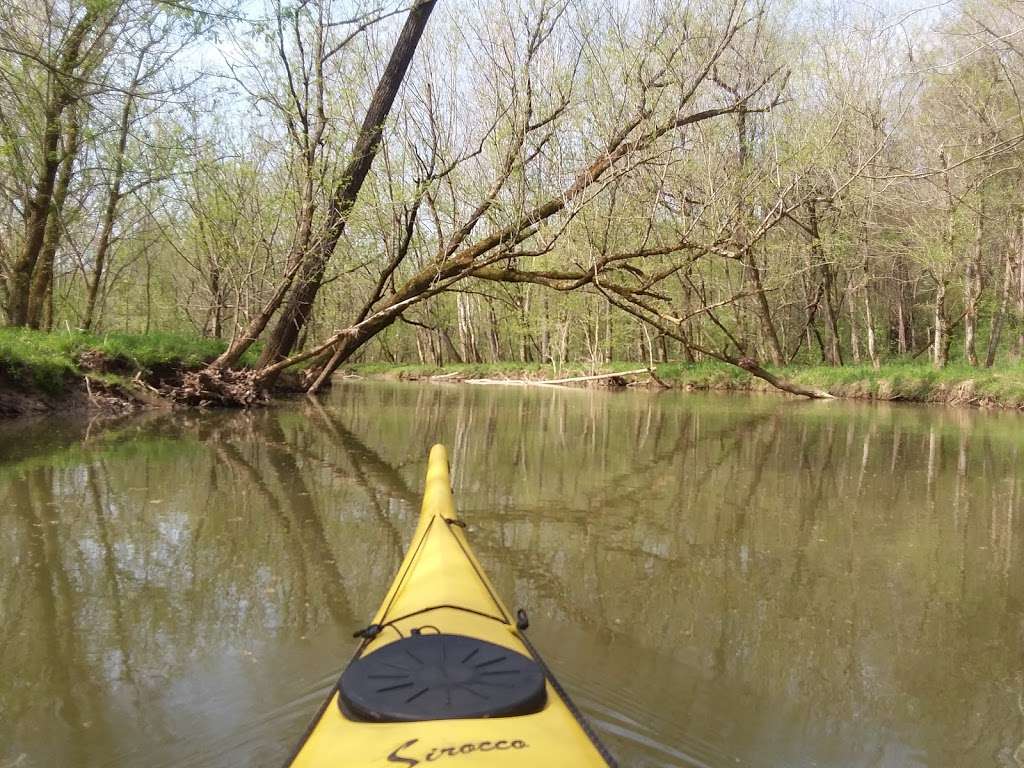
x: 972, y: 294
x: 901, y: 328
x: 812, y: 303
x: 420, y: 356
x: 217, y: 297
x: 545, y: 335
x: 448, y: 345
x: 493, y: 337
x: 753, y: 368
x: 1000, y: 317
x: 939, y: 346
x: 40, y: 293
x: 467, y: 331
x: 854, y: 337
x: 19, y: 283
x: 524, y: 326
x: 241, y: 342
x: 299, y: 305
x: 609, y: 351
x: 763, y: 310
x: 47, y: 324
x: 684, y: 341
x: 904, y: 310
x: 835, y: 355
x: 1018, y: 350
x: 752, y: 271
x: 869, y: 324
x: 109, y: 213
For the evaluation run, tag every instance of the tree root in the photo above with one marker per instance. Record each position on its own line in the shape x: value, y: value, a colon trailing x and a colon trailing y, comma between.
x: 220, y: 387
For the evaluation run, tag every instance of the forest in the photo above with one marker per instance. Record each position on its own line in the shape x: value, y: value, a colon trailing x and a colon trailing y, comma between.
x: 763, y: 183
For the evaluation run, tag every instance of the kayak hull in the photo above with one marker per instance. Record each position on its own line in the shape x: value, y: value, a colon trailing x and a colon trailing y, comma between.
x: 440, y: 587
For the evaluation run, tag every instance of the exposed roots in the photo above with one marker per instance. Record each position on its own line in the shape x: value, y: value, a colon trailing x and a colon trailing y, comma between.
x: 219, y: 387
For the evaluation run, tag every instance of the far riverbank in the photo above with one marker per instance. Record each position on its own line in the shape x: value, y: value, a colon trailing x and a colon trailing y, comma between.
x: 956, y: 385
x: 69, y: 372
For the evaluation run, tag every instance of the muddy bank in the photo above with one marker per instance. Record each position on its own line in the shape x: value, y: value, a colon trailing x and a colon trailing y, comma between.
x: 102, y: 385
x: 76, y: 395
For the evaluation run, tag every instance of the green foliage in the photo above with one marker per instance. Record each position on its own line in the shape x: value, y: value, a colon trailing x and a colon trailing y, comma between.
x: 35, y: 360
x: 47, y: 361
x: 147, y: 351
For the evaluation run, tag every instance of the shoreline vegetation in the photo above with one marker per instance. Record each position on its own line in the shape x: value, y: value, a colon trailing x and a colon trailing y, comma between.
x: 955, y: 385
x: 115, y: 373
x: 789, y: 200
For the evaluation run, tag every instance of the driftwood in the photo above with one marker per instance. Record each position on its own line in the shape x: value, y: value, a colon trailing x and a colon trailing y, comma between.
x: 224, y: 387
x: 560, y: 382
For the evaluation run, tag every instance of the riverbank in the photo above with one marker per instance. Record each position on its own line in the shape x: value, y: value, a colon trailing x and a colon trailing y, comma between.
x: 118, y: 372
x: 66, y: 372
x: 960, y: 385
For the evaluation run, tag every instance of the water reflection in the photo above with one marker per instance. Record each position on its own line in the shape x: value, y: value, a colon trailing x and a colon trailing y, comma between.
x: 721, y: 581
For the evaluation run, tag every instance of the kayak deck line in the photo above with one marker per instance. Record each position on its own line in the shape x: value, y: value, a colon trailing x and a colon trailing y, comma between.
x: 371, y: 631
x: 444, y: 670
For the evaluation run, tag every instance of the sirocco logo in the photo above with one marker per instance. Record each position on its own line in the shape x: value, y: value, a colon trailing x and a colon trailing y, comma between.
x: 402, y: 754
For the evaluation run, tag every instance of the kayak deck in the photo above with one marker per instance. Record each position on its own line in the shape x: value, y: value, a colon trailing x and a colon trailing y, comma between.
x: 441, y: 589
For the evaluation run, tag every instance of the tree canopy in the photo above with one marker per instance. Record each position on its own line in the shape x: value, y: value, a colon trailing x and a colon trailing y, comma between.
x: 753, y: 181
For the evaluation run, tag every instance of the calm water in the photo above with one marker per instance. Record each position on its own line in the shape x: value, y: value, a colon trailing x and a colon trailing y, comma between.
x: 720, y: 581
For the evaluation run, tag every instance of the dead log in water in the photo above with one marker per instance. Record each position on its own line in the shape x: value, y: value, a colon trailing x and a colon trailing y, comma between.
x: 618, y: 378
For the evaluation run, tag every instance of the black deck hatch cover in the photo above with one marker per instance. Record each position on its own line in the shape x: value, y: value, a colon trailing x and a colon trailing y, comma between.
x: 441, y: 677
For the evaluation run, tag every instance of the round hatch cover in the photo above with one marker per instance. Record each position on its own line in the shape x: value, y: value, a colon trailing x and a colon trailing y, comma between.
x: 441, y: 677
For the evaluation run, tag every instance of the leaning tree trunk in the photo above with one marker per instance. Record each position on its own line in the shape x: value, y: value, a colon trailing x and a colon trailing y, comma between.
x: 297, y: 309
x: 258, y: 322
x: 748, y: 364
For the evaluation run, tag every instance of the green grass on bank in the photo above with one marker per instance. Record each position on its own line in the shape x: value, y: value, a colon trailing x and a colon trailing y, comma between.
x: 48, y: 361
x: 44, y: 360
x: 911, y: 381
x: 920, y: 382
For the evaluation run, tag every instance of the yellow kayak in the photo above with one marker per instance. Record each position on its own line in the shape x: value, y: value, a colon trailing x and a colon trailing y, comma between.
x: 445, y: 673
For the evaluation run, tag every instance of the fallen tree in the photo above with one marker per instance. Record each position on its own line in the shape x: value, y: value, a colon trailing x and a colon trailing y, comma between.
x: 531, y: 231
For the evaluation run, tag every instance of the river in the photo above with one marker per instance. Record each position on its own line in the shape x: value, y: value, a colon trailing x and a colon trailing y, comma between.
x: 718, y: 580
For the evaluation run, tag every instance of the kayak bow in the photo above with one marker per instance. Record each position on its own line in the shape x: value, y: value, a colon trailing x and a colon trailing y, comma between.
x: 444, y: 671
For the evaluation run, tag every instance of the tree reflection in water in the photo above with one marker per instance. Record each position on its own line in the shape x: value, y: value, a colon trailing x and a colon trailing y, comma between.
x: 721, y: 580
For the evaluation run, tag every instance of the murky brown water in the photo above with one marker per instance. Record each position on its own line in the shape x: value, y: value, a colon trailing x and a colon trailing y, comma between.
x: 720, y: 581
